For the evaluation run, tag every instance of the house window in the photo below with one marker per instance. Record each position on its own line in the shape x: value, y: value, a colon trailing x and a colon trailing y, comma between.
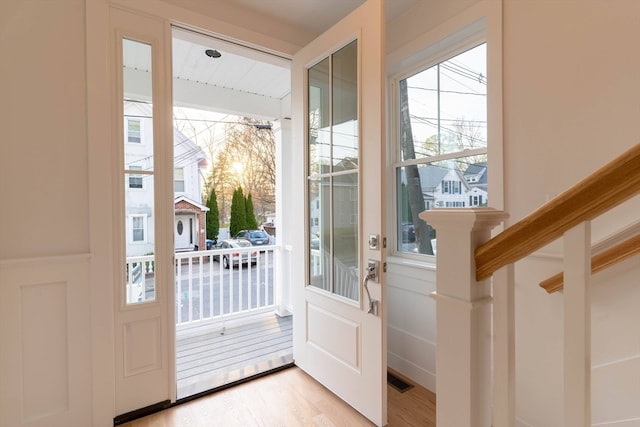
x: 138, y: 228
x: 135, y: 181
x: 475, y: 200
x: 454, y: 204
x: 442, y: 141
x: 133, y: 131
x: 178, y: 180
x: 451, y: 187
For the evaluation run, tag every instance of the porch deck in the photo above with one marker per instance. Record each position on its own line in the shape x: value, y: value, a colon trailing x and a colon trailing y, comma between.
x: 212, y: 354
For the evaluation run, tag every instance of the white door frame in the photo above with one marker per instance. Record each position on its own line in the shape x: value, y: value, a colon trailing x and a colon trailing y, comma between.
x: 142, y: 332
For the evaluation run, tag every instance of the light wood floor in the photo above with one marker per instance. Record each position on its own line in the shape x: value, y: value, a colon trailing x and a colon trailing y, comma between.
x: 289, y: 398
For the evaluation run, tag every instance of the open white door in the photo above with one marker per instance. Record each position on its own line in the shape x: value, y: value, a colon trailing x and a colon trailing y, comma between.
x: 143, y: 213
x: 338, y: 117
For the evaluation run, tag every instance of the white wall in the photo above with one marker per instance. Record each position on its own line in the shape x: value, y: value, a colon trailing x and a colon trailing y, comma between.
x: 43, y: 155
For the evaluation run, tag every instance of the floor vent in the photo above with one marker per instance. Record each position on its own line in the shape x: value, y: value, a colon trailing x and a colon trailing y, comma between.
x: 397, y: 383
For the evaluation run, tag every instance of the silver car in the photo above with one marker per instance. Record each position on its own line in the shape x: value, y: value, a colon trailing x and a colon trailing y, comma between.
x: 235, y: 258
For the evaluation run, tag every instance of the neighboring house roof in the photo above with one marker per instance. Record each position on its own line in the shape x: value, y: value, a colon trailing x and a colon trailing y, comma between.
x: 477, y: 169
x: 480, y: 172
x: 431, y: 176
x: 191, y: 202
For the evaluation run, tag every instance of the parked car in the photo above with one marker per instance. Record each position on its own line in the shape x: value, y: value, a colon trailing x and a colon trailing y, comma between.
x: 408, y: 232
x: 235, y: 258
x: 210, y: 244
x: 255, y: 237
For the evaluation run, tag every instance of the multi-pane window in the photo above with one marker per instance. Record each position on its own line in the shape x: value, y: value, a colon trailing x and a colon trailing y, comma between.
x: 451, y: 187
x: 135, y: 181
x: 133, y: 131
x: 442, y: 149
x: 475, y: 200
x: 137, y: 228
x: 178, y: 180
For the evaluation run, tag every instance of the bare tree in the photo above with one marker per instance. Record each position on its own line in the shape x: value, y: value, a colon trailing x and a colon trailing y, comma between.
x: 246, y: 159
x: 414, y: 187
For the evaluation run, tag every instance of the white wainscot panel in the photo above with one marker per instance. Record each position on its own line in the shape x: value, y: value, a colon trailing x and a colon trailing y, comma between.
x: 45, y: 376
x: 411, y: 326
x: 335, y: 335
x: 615, y: 393
x: 615, y: 298
x: 45, y: 361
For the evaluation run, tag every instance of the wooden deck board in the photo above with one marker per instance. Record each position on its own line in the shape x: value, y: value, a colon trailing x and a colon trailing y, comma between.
x: 209, y: 356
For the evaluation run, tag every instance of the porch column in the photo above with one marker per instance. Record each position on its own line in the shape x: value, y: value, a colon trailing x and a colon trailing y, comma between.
x: 283, y: 265
x: 463, y: 317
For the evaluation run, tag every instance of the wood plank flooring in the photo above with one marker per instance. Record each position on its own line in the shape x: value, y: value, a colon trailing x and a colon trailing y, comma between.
x: 289, y: 398
x: 413, y: 408
x: 211, y: 356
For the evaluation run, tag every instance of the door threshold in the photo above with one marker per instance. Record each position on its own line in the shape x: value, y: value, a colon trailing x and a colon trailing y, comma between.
x: 233, y: 383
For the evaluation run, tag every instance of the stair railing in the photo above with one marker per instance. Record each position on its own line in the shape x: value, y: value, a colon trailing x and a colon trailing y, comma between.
x: 604, y: 256
x: 475, y: 321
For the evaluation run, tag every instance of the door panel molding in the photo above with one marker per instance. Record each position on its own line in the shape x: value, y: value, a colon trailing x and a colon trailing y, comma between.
x: 337, y: 336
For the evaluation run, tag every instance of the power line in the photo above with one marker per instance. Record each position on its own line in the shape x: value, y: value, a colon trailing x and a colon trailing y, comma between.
x: 447, y: 91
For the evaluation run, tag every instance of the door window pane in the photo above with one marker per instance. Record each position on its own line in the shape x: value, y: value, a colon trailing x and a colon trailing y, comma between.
x: 345, y: 107
x: 333, y: 143
x: 319, y: 142
x: 139, y: 199
x: 345, y: 235
x: 319, y: 243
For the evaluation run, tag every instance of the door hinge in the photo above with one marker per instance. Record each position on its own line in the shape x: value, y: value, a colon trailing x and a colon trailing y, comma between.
x: 384, y: 267
x: 384, y: 242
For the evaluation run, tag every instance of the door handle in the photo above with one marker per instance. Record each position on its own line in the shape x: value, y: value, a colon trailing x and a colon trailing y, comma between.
x: 371, y: 273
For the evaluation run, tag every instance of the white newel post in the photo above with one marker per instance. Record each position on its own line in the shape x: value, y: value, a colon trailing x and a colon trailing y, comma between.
x: 463, y: 317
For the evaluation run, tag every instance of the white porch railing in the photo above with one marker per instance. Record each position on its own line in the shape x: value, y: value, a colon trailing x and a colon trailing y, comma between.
x: 205, y: 289
x: 345, y: 280
x: 140, y: 276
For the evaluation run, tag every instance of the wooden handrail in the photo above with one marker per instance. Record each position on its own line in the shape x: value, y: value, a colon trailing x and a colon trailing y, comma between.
x: 599, y: 262
x: 604, y: 189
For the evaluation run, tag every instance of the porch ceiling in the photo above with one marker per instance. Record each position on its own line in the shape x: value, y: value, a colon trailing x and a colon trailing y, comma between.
x: 241, y: 81
x: 245, y: 81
